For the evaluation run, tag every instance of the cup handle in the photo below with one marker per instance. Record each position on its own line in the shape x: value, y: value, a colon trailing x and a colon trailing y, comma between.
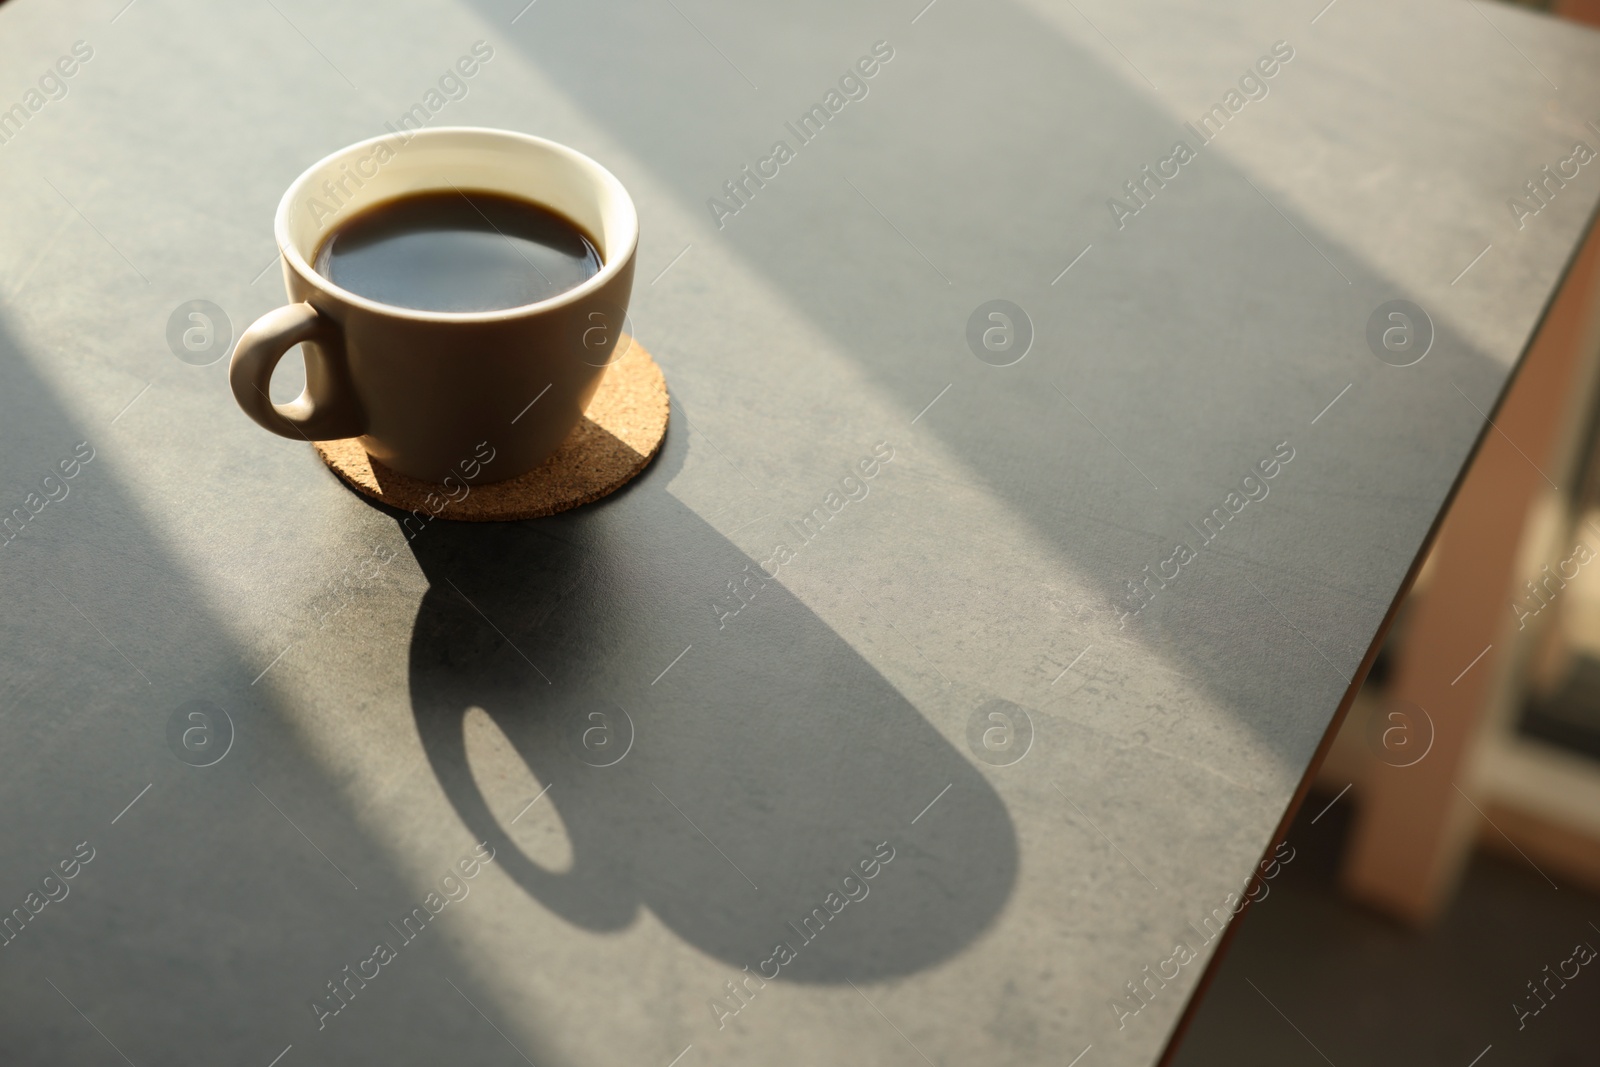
x: 327, y: 409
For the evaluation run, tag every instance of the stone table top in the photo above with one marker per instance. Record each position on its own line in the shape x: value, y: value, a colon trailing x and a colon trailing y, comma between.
x: 951, y: 672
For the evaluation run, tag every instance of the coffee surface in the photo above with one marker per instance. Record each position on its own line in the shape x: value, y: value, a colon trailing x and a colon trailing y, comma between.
x: 453, y: 250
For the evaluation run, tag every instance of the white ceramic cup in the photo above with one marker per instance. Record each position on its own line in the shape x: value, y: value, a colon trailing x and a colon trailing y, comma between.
x: 422, y: 389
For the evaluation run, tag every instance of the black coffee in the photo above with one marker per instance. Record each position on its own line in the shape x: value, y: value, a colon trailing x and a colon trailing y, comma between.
x: 457, y: 251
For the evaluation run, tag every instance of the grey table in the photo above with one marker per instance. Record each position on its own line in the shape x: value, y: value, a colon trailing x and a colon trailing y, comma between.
x: 947, y: 686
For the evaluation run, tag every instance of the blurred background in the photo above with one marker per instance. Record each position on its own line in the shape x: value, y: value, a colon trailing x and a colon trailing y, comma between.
x: 1445, y: 886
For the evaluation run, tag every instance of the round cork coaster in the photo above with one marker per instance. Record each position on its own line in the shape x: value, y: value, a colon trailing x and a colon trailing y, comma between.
x: 618, y: 436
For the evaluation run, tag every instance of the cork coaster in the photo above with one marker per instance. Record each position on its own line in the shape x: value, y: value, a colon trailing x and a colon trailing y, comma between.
x: 620, y: 433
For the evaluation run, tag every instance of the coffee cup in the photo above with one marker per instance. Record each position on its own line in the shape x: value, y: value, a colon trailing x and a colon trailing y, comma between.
x: 422, y: 389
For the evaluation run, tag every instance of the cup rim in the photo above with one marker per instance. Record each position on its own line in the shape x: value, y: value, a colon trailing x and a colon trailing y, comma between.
x: 609, y: 269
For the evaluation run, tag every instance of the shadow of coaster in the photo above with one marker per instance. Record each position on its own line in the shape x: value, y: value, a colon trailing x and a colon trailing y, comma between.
x: 620, y: 433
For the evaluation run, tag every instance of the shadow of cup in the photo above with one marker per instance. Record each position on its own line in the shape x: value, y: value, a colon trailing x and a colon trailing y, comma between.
x: 746, y: 792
